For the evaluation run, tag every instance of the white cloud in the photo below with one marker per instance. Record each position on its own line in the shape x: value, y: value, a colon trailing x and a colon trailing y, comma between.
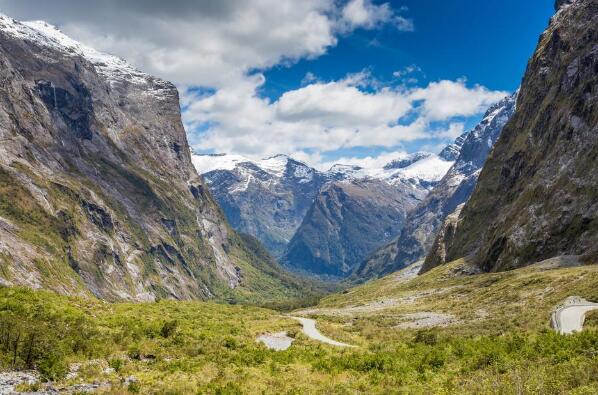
x: 404, y: 24
x: 309, y: 78
x: 406, y: 71
x: 326, y: 116
x: 368, y: 162
x: 446, y: 99
x: 454, y: 130
x: 364, y: 14
x: 338, y: 104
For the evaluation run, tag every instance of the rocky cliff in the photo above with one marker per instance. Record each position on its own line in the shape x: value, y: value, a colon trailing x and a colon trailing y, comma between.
x: 266, y: 198
x: 415, y: 239
x: 359, y: 212
x: 537, y: 193
x: 98, y: 194
x: 271, y: 199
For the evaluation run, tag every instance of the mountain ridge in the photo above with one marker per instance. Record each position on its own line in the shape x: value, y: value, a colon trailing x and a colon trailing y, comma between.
x: 536, y: 197
x: 98, y: 194
x: 269, y: 198
x: 422, y: 223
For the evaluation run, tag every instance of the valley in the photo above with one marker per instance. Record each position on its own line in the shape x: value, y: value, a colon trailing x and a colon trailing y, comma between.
x: 461, y: 258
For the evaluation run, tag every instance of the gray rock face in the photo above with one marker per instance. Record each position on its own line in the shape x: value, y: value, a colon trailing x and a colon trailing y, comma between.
x: 421, y: 224
x: 97, y: 190
x: 266, y: 199
x: 537, y: 194
x: 559, y: 3
x: 452, y: 151
x: 347, y: 221
x: 274, y: 200
x: 444, y: 237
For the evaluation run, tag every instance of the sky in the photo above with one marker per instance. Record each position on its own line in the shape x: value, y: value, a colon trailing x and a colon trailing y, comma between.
x: 325, y: 81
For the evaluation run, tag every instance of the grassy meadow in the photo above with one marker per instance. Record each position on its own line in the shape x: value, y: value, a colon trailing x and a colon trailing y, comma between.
x: 497, y: 341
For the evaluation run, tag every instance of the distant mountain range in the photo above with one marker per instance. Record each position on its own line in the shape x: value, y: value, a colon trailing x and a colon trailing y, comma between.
x: 265, y: 198
x: 332, y: 222
x: 284, y: 202
x: 359, y: 211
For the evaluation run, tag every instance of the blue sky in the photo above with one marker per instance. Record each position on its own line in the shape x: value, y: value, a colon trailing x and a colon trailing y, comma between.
x: 488, y: 42
x: 354, y: 81
x: 479, y: 43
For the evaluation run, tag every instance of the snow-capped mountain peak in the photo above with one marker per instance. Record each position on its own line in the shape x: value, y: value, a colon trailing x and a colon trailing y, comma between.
x: 418, y: 167
x: 275, y: 166
x: 408, y: 160
x: 114, y: 69
x: 423, y: 168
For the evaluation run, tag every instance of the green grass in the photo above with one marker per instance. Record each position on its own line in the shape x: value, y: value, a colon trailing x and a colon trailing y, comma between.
x: 488, y: 303
x: 198, y: 347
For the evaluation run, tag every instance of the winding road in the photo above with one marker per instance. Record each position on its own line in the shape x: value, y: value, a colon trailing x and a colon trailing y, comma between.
x: 569, y: 317
x: 310, y: 330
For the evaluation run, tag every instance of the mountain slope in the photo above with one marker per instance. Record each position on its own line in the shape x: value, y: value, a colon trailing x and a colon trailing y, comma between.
x: 269, y: 198
x: 97, y: 191
x: 537, y: 193
x: 266, y: 198
x: 470, y: 151
x: 351, y: 217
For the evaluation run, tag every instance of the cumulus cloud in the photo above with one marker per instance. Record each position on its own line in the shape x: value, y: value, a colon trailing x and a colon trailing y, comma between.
x: 446, y: 99
x: 327, y: 116
x: 339, y: 104
x: 365, y: 14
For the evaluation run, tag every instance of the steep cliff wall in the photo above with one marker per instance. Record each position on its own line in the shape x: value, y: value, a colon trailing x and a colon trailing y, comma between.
x: 537, y: 195
x: 97, y: 190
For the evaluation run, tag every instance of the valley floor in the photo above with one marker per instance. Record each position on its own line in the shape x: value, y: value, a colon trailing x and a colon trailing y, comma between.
x: 448, y: 331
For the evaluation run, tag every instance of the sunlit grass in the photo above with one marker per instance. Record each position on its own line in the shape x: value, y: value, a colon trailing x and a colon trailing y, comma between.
x: 198, y: 347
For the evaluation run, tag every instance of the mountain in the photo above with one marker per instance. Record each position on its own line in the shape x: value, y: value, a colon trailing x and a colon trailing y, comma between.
x: 269, y: 198
x: 98, y: 194
x: 421, y: 224
x: 537, y: 195
x: 265, y: 198
x: 358, y: 212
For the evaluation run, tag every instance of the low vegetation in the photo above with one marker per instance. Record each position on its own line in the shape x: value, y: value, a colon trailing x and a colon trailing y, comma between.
x: 197, y: 347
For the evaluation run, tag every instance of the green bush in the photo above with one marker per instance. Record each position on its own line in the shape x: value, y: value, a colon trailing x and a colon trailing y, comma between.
x: 169, y: 328
x: 426, y: 337
x: 52, y: 366
x: 116, y: 364
x: 134, y: 387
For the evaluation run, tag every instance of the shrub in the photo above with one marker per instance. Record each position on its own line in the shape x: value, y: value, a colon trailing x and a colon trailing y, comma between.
x: 426, y: 337
x: 134, y: 387
x: 169, y: 328
x: 52, y: 367
x: 116, y: 364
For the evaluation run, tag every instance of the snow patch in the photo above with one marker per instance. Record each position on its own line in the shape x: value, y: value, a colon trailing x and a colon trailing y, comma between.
x: 207, y: 163
x: 116, y: 70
